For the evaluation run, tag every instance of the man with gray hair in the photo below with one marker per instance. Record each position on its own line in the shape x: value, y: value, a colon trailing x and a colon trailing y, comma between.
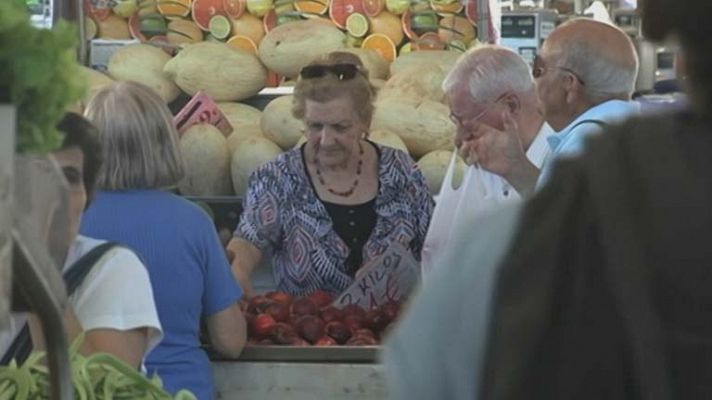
x: 491, y: 85
x: 585, y: 76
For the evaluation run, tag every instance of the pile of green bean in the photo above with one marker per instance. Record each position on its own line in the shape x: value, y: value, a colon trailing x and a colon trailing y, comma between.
x: 97, y: 377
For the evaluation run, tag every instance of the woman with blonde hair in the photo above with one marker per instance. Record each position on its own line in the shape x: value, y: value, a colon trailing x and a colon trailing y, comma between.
x: 177, y: 241
x: 327, y: 208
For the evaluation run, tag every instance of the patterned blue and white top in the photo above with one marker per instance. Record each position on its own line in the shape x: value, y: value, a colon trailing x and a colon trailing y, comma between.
x: 283, y: 216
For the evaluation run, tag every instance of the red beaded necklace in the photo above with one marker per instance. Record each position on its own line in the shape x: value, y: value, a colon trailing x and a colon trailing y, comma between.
x: 350, y: 191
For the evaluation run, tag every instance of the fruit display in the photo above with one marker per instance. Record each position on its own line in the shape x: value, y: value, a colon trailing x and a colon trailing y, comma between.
x: 390, y: 27
x: 277, y: 318
x: 232, y: 49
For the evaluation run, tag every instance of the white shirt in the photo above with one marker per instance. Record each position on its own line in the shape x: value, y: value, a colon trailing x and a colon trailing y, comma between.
x: 480, y: 192
x: 116, y: 294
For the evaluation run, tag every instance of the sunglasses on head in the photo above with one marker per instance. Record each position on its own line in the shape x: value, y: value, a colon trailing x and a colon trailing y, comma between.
x: 343, y: 72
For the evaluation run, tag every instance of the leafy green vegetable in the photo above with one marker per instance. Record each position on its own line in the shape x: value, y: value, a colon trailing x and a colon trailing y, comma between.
x: 99, y: 376
x: 39, y: 74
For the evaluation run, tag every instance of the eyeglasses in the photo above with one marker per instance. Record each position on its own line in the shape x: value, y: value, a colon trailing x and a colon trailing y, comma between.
x: 343, y: 72
x: 538, y: 70
x: 459, y: 121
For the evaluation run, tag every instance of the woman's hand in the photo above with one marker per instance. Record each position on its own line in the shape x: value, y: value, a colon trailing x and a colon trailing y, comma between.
x: 244, y: 257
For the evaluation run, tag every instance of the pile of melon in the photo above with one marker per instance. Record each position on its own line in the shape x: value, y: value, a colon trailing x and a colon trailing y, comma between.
x: 232, y: 49
x: 411, y: 113
x: 390, y: 27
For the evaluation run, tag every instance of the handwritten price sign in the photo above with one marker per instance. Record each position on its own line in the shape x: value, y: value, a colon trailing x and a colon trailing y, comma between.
x: 201, y: 109
x: 389, y: 277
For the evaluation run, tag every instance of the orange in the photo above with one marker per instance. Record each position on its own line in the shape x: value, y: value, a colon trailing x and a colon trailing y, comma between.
x: 243, y: 43
x: 250, y: 26
x: 456, y: 28
x: 373, y: 7
x: 234, y: 8
x: 387, y: 24
x: 382, y: 44
x: 174, y: 8
x: 341, y: 9
x: 319, y: 7
x: 444, y: 9
x: 204, y: 10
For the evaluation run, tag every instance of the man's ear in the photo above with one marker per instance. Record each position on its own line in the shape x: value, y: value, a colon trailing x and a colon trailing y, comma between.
x: 572, y: 89
x: 513, y: 104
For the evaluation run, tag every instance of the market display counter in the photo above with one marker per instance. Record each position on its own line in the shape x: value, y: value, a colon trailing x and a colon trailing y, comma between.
x: 301, y: 373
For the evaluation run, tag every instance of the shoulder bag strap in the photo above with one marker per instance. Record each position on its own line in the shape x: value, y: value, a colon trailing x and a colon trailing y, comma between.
x: 21, y: 346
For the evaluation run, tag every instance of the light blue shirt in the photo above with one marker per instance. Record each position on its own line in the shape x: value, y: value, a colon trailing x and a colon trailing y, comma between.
x: 570, y: 140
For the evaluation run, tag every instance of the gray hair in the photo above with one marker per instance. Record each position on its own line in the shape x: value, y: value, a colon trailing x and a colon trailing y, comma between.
x: 604, y: 77
x: 490, y: 71
x: 138, y: 136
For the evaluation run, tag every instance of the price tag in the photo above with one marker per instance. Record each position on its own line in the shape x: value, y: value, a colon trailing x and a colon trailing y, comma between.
x: 201, y: 109
x: 389, y: 277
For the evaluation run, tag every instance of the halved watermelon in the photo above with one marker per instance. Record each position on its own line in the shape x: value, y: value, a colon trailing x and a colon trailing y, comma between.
x: 429, y: 41
x: 407, y: 26
x: 161, y: 41
x: 204, y: 10
x: 341, y: 9
x: 234, y: 8
x: 135, y: 27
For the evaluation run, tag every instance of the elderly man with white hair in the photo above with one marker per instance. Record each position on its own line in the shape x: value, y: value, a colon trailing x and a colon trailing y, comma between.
x: 585, y: 76
x: 491, y: 85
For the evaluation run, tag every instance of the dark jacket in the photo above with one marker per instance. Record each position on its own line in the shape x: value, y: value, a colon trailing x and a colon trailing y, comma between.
x: 607, y: 290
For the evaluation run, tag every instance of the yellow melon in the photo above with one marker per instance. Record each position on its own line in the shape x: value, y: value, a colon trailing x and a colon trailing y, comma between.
x: 278, y: 123
x: 289, y: 47
x: 223, y: 72
x: 144, y: 64
x: 249, y: 154
x: 207, y: 162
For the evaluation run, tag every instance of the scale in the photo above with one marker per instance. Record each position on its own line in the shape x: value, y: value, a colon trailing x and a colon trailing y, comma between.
x: 657, y: 62
x: 525, y: 31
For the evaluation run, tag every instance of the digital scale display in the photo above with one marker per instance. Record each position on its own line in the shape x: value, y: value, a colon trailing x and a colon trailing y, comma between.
x: 518, y: 26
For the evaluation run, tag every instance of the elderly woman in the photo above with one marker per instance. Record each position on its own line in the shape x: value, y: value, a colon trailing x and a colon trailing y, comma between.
x: 327, y: 208
x: 189, y: 271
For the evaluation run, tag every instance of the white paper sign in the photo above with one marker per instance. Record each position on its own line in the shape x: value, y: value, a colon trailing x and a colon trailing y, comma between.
x: 389, y: 277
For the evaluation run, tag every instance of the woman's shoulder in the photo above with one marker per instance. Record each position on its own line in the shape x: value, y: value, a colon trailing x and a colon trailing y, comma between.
x: 395, y: 161
x: 279, y: 172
